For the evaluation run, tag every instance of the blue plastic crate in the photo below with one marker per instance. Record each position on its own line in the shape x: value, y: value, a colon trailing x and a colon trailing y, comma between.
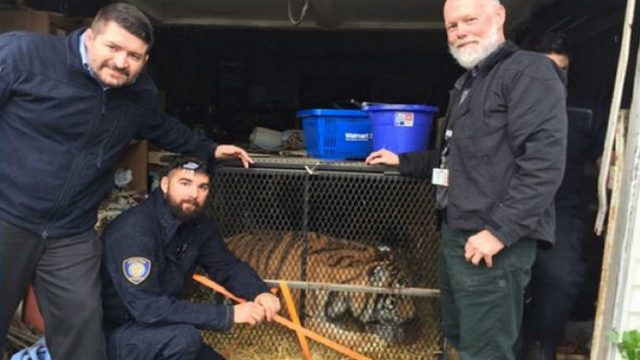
x: 400, y: 127
x: 336, y: 134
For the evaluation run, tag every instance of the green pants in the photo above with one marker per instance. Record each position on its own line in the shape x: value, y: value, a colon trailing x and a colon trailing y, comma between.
x: 482, y: 307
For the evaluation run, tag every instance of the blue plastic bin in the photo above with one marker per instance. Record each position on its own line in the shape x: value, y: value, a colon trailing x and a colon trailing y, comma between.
x: 400, y: 128
x: 336, y: 134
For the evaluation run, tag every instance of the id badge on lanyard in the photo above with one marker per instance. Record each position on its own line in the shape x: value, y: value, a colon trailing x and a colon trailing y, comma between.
x: 440, y: 175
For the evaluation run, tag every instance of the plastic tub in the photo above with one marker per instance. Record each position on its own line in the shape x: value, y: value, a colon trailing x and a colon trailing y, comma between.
x: 336, y: 134
x: 400, y: 128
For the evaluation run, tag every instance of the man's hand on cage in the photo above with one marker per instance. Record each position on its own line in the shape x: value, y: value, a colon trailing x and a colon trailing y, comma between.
x: 383, y: 156
x: 231, y: 151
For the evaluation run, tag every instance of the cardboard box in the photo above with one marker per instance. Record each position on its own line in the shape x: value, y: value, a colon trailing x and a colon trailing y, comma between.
x: 39, y: 21
x: 27, y: 20
x: 136, y: 159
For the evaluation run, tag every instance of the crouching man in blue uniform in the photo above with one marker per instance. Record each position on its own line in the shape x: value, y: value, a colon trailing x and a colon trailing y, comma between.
x: 150, y: 253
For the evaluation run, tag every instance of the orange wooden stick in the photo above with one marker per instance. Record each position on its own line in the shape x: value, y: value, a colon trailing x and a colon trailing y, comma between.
x: 296, y: 320
x: 282, y: 321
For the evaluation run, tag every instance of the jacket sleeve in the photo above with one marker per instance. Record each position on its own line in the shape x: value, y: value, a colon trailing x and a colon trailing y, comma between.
x: 7, y: 75
x: 170, y: 134
x: 5, y: 84
x: 419, y: 164
x: 537, y: 133
x: 225, y: 268
x: 146, y: 301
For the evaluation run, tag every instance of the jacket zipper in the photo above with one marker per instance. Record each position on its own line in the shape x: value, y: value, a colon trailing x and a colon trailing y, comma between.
x: 106, y: 142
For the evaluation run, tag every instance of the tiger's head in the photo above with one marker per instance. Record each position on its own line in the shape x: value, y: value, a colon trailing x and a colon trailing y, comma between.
x: 387, y: 315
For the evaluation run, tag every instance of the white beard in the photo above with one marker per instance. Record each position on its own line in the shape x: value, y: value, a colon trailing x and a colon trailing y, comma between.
x: 470, y: 55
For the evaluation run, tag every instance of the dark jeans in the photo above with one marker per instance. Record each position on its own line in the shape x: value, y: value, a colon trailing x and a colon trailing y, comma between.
x: 557, y: 276
x: 65, y: 273
x: 148, y: 342
x: 481, y: 306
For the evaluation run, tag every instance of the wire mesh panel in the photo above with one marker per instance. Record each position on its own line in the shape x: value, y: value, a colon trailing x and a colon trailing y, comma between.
x: 341, y: 224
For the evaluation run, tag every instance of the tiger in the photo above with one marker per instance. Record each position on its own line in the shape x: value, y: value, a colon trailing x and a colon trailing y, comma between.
x: 332, y: 260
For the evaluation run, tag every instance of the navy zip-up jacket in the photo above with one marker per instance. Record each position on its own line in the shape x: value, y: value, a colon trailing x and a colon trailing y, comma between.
x: 507, y: 152
x: 150, y: 234
x: 61, y: 133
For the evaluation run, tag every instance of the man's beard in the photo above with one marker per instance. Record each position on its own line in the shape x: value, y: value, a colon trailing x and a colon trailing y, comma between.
x: 471, y: 55
x: 107, y: 81
x: 182, y: 215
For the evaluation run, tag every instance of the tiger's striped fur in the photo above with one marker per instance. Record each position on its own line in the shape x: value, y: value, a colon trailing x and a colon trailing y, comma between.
x: 331, y: 260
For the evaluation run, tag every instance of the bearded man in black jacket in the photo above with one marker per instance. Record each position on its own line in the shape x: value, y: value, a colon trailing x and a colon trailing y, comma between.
x: 496, y: 175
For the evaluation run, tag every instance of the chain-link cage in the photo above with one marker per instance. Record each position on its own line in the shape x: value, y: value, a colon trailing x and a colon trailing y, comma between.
x: 340, y: 232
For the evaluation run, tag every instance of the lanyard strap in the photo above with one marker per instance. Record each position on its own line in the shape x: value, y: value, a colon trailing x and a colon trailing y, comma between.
x: 461, y: 95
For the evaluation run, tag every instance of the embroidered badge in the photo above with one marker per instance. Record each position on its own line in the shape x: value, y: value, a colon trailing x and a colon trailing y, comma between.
x: 136, y: 269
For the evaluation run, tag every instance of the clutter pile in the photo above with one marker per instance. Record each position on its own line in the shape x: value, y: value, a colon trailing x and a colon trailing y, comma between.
x: 120, y: 199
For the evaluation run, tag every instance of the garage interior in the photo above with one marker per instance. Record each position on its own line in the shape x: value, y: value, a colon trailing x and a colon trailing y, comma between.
x: 227, y: 67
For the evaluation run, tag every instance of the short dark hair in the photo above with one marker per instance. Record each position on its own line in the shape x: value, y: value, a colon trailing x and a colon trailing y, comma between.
x: 127, y: 16
x: 553, y: 43
x: 187, y: 163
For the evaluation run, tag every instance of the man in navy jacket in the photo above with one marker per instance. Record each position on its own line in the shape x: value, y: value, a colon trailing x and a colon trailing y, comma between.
x: 150, y: 253
x: 69, y: 106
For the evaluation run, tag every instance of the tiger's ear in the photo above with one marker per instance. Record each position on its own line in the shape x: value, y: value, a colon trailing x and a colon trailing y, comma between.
x: 379, y: 275
x: 384, y: 252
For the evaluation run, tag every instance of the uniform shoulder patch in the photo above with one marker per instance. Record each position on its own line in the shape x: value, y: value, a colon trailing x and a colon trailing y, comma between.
x: 136, y: 269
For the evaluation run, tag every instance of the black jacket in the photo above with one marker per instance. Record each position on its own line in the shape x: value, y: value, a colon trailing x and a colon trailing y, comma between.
x: 507, y: 153
x: 61, y: 133
x: 150, y: 234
